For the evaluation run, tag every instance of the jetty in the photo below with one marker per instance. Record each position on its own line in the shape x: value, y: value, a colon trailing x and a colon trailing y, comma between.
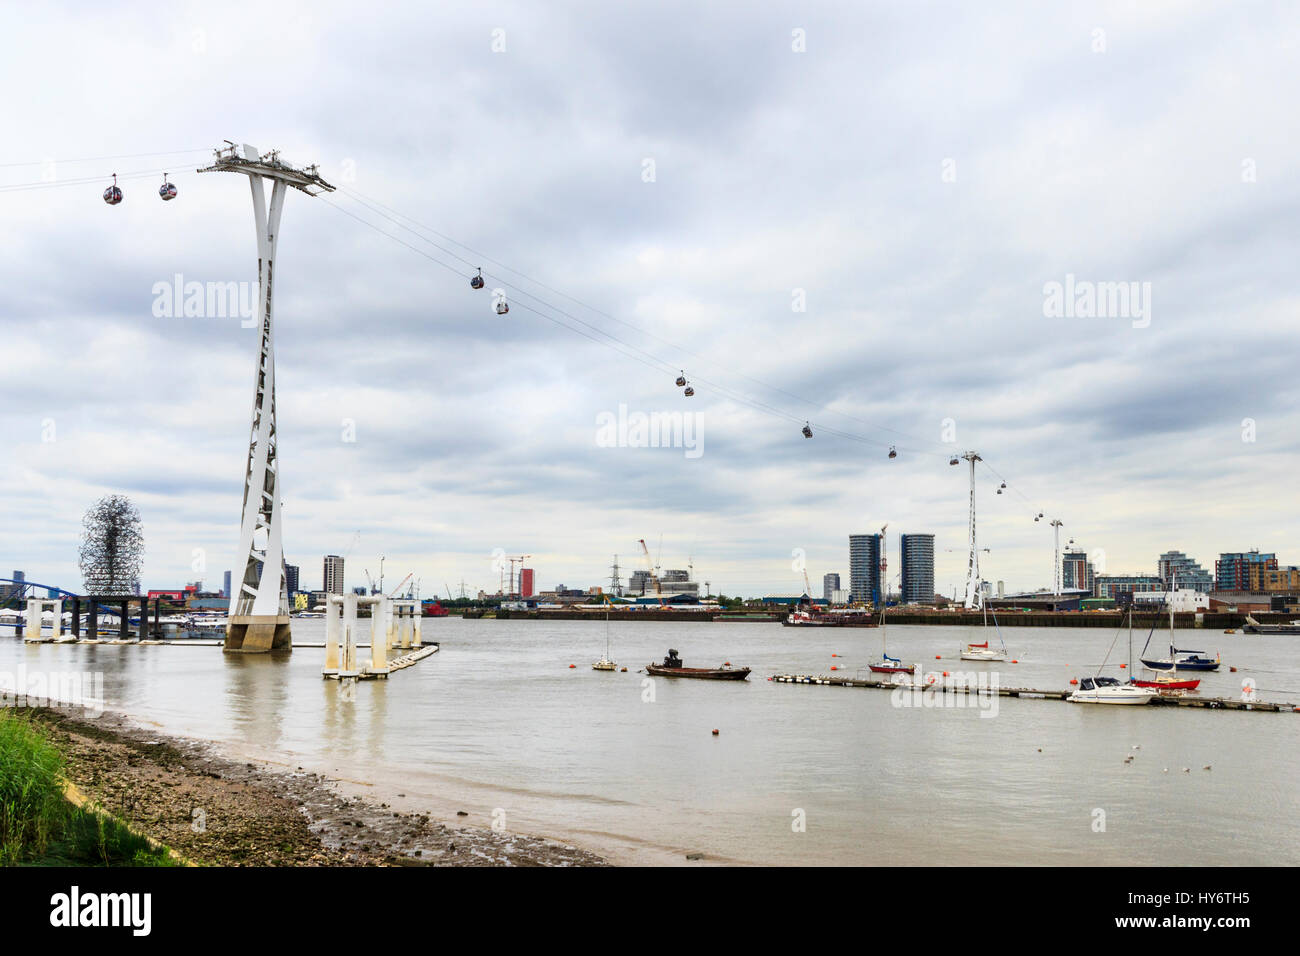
x: 941, y: 686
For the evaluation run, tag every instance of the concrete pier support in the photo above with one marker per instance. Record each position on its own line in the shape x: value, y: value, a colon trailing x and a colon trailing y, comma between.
x: 380, y: 629
x: 348, y: 649
x: 333, y: 634
x: 32, y: 625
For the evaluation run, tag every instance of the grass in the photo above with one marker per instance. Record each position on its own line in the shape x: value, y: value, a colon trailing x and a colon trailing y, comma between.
x: 38, y: 826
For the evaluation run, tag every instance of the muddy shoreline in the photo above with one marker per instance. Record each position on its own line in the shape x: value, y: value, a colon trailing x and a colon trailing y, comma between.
x: 217, y: 811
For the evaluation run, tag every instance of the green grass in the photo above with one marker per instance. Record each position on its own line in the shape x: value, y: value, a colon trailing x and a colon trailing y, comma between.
x: 38, y: 826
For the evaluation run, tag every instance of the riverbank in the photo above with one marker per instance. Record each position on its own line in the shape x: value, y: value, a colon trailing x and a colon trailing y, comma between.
x: 218, y: 811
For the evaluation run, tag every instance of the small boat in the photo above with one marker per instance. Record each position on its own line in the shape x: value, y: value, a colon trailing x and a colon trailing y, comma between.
x: 1108, y: 690
x: 605, y: 664
x: 436, y: 611
x: 672, y: 667
x: 1163, y: 681
x: 982, y: 652
x: 1253, y: 626
x: 887, y: 664
x: 803, y: 619
x: 1167, y: 682
x: 1192, y: 662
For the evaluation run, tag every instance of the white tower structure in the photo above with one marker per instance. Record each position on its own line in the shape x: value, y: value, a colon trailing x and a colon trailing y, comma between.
x: 1056, y: 558
x: 974, y: 597
x: 259, y: 600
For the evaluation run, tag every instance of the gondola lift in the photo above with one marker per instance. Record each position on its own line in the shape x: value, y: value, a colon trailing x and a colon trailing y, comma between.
x: 113, y: 195
x: 681, y: 379
x: 502, y: 307
x: 166, y: 191
x: 952, y: 460
x: 892, y: 452
x: 807, y: 430
x: 689, y: 391
x: 477, y: 281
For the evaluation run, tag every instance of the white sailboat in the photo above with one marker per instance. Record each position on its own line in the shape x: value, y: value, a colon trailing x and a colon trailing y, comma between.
x: 605, y: 664
x: 984, y: 651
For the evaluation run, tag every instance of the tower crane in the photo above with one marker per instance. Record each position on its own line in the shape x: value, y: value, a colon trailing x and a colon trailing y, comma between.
x: 650, y: 568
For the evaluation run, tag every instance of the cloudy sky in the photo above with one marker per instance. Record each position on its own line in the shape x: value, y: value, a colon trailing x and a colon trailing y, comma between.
x: 843, y: 213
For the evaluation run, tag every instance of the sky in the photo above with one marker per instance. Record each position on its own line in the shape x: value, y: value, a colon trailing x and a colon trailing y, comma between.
x: 848, y: 214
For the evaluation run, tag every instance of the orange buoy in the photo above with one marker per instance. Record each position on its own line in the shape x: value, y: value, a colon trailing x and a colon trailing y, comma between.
x: 1074, y: 680
x: 726, y: 663
x: 937, y: 657
x: 1232, y: 670
x: 1121, y: 666
x: 572, y: 666
x: 834, y: 668
x: 945, y: 673
x: 835, y: 655
x: 1014, y: 661
x: 715, y: 731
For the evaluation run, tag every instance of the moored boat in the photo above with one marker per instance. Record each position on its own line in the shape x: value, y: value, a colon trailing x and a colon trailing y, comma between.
x: 1108, y: 690
x: 1253, y: 626
x: 672, y: 667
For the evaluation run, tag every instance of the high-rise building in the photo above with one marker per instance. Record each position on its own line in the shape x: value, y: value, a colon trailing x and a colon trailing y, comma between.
x: 864, y: 567
x: 1232, y: 572
x: 225, y: 587
x: 526, y: 582
x: 830, y: 584
x: 1175, y: 566
x: 671, y: 583
x: 916, y: 564
x: 16, y: 589
x: 1077, y: 572
x: 291, y: 578
x: 332, y: 575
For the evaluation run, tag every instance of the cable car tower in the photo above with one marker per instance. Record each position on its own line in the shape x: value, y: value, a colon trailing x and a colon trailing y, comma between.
x: 974, y: 597
x: 259, y: 603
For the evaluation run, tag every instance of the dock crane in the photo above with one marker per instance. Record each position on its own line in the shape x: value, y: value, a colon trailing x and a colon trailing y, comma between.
x: 403, y: 581
x: 650, y: 568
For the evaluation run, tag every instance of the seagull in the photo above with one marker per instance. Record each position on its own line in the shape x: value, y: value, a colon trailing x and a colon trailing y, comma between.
x: 1206, y: 767
x: 1136, y: 747
x: 1187, y: 770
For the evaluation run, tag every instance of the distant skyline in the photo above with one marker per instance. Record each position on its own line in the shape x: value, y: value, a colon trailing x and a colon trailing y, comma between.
x: 889, y: 232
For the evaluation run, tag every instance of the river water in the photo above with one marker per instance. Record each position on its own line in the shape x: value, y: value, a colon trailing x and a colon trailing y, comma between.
x: 498, y: 723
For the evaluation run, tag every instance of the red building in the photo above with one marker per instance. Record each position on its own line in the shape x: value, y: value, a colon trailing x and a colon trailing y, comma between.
x: 526, y: 582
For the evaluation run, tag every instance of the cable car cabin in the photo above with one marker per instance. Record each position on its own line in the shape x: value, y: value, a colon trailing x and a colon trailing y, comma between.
x: 502, y: 307
x: 166, y: 191
x: 689, y: 391
x: 681, y: 380
x: 477, y: 281
x: 807, y: 430
x: 892, y: 453
x: 113, y: 195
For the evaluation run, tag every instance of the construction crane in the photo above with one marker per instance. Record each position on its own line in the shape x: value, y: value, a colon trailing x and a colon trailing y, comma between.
x: 520, y: 559
x: 650, y: 569
x: 399, y: 586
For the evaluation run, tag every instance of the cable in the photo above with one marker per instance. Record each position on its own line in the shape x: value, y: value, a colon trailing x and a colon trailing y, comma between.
x: 370, y: 202
x: 96, y: 159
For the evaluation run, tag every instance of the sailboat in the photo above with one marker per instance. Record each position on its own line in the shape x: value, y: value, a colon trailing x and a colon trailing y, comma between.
x: 1193, y: 662
x: 982, y: 652
x: 1163, y: 680
x: 887, y: 664
x: 605, y: 664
